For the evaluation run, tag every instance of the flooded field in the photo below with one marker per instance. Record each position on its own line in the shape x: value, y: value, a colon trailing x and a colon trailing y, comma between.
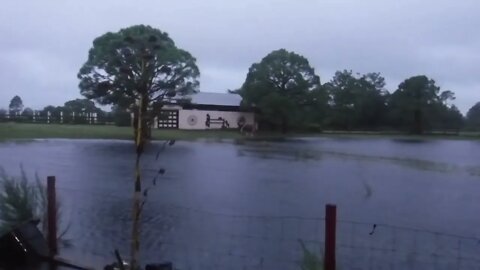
x: 245, y: 205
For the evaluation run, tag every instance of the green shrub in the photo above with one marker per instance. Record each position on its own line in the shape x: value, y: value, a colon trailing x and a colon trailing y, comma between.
x: 309, y: 261
x: 22, y: 200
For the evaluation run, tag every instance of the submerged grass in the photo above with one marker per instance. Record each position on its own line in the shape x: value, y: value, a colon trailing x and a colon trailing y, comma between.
x: 309, y: 261
x: 462, y: 135
x: 273, y: 151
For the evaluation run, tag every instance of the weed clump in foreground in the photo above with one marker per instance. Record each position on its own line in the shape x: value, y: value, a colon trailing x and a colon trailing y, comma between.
x: 22, y: 200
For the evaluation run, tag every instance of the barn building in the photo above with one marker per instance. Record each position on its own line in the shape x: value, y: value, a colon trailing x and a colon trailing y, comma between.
x: 206, y: 111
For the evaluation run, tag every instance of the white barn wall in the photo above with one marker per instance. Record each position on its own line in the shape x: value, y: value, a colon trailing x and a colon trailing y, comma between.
x: 201, y: 115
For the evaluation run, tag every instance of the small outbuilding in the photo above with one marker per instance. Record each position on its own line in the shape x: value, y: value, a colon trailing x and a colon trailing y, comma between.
x: 206, y: 110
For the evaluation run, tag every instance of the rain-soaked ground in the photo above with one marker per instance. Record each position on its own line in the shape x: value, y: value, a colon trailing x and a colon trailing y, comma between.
x: 230, y: 205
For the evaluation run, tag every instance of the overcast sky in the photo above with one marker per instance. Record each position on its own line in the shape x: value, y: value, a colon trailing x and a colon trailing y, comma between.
x: 44, y: 43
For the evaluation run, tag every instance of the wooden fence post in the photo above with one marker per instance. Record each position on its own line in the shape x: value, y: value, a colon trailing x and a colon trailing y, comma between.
x: 330, y: 236
x: 52, y: 216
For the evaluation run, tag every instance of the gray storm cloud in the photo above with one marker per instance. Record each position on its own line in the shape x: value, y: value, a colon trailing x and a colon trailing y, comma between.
x: 45, y: 42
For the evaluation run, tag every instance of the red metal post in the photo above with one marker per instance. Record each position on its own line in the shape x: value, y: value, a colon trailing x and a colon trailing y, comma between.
x: 52, y: 215
x: 330, y: 236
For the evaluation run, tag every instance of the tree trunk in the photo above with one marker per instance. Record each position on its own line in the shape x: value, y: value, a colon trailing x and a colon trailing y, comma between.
x: 146, y: 121
x: 418, y: 123
x: 147, y: 128
x: 135, y: 124
x: 139, y: 127
x: 284, y: 124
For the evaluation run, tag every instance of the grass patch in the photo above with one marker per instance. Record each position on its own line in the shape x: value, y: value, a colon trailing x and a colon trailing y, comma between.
x: 9, y: 131
x: 24, y: 131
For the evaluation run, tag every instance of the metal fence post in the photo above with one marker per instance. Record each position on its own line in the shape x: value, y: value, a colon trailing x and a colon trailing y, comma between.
x: 330, y: 236
x: 52, y: 215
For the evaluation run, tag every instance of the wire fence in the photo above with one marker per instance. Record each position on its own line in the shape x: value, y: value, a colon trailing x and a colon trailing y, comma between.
x: 198, y: 239
x: 383, y: 246
x: 218, y: 241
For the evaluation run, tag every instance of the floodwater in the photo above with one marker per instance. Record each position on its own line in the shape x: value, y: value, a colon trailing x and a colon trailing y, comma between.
x: 225, y: 204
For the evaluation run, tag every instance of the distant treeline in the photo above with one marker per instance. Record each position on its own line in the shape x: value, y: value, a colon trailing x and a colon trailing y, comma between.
x: 78, y: 111
x: 349, y: 101
x: 285, y: 89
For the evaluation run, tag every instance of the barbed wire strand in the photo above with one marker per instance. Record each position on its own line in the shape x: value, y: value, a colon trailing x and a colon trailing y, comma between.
x: 260, y: 233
